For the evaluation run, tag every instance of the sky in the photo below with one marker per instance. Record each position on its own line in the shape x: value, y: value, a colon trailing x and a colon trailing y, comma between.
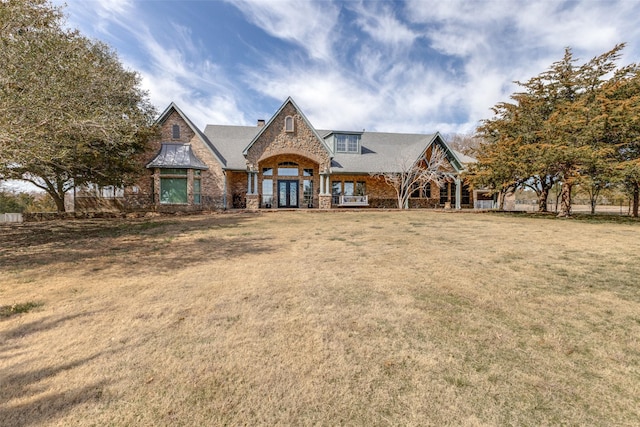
x: 392, y: 66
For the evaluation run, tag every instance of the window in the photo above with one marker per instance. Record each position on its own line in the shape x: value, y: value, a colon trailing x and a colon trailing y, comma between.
x: 175, y: 132
x: 336, y: 191
x: 267, y: 171
x: 173, y: 171
x: 267, y: 192
x: 173, y: 186
x: 287, y: 169
x: 347, y: 143
x: 348, y: 188
x: 307, y: 172
x: 361, y: 188
x: 415, y: 190
x: 173, y: 190
x: 288, y: 124
x: 444, y: 193
x: 307, y: 192
x: 197, y: 198
x: 421, y: 192
x: 465, y: 197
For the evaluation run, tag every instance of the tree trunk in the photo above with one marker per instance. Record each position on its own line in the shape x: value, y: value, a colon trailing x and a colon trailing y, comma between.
x: 636, y: 199
x: 59, y: 201
x: 542, y: 199
x: 565, y: 200
x: 501, y: 200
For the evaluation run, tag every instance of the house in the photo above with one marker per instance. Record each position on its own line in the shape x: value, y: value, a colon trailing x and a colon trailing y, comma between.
x: 285, y: 162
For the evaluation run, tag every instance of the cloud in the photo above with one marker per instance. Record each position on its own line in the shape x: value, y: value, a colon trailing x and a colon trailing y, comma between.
x: 307, y: 24
x: 414, y: 66
x: 174, y: 66
x: 380, y: 22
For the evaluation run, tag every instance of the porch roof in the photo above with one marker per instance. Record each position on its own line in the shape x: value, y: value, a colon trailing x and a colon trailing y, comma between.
x: 176, y: 156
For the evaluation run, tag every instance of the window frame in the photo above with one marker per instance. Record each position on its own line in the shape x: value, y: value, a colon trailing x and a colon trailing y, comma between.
x: 289, y: 124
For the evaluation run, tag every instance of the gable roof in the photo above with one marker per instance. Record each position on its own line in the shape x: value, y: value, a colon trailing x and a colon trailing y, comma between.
x: 230, y: 140
x: 289, y: 100
x: 176, y: 156
x: 173, y: 107
x: 385, y: 152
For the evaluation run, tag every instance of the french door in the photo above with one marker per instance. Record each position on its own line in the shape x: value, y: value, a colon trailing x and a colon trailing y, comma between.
x: 288, y: 193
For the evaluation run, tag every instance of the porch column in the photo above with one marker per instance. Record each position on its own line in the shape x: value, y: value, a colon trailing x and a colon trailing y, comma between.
x: 321, y: 184
x: 248, y: 182
x: 458, y: 192
x: 255, y: 183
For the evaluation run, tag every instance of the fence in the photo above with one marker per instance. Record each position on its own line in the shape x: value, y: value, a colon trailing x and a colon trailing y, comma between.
x: 10, y: 217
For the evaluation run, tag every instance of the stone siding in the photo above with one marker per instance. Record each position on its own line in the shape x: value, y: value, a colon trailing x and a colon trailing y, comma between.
x: 276, y: 141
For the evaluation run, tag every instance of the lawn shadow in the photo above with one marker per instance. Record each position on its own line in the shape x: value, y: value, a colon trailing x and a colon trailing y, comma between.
x: 19, y: 385
x: 129, y: 244
x: 39, y: 325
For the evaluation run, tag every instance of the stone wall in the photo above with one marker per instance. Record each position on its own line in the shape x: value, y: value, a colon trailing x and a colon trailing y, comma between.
x: 236, y: 189
x: 144, y: 194
x: 276, y: 141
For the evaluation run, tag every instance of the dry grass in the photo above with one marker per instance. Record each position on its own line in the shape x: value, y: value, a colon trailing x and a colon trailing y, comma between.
x: 349, y: 318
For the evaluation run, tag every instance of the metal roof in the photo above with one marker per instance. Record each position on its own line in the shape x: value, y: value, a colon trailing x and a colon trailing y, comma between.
x: 176, y: 156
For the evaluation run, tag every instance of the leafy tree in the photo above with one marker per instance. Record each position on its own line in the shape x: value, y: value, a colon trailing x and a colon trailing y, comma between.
x: 70, y: 113
x: 570, y: 126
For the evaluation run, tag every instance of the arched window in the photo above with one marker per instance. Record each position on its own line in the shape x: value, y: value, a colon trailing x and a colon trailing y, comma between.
x: 288, y: 124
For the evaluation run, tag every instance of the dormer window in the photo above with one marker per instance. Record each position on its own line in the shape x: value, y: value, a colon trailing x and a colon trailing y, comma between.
x: 175, y: 132
x: 288, y: 124
x: 347, y: 143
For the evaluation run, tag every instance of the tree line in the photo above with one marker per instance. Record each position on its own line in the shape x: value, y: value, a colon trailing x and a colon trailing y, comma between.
x: 572, y: 125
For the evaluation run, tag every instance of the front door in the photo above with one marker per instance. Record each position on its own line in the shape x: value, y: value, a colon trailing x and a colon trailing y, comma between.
x: 288, y: 193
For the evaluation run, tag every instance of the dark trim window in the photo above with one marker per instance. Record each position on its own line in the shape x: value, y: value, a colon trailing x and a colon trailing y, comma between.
x: 444, y: 193
x: 175, y: 132
x: 465, y: 196
x: 418, y: 191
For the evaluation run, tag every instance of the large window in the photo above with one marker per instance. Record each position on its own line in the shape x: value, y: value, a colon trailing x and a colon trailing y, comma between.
x: 444, y: 193
x: 307, y: 192
x: 465, y: 197
x: 347, y: 143
x: 267, y: 193
x: 349, y: 188
x: 361, y: 188
x: 173, y: 186
x: 418, y: 191
x: 336, y: 191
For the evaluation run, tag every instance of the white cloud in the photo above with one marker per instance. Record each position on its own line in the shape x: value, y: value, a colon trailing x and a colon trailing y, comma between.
x: 306, y: 24
x: 379, y: 21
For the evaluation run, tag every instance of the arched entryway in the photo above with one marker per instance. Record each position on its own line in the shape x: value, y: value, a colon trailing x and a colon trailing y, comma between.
x: 288, y: 181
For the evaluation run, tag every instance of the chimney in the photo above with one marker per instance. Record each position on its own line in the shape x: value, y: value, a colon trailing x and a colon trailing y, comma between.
x: 260, y: 123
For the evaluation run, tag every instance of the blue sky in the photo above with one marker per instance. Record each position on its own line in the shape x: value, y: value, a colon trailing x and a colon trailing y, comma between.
x: 397, y: 66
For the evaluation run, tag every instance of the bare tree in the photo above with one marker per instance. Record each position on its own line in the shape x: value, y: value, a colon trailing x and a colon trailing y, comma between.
x: 413, y: 174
